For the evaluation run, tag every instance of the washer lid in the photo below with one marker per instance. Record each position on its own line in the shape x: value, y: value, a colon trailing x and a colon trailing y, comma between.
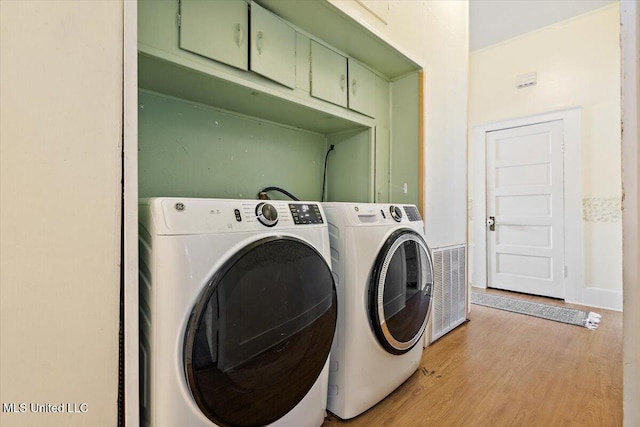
x: 400, y: 291
x: 260, y: 332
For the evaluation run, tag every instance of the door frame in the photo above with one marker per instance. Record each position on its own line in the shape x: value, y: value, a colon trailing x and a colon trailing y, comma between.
x: 130, y: 268
x: 573, y: 256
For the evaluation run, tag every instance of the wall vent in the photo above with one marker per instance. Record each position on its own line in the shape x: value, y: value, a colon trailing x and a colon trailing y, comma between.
x: 449, y: 290
x: 526, y: 80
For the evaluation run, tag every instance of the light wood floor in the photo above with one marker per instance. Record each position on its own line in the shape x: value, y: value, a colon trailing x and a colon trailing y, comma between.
x: 507, y: 369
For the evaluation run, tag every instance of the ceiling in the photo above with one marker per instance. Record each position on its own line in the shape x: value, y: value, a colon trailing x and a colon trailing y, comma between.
x: 493, y: 21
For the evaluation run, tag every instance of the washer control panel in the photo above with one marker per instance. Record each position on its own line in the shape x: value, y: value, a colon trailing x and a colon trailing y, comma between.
x: 267, y: 214
x: 396, y: 213
x: 305, y: 213
x: 373, y: 213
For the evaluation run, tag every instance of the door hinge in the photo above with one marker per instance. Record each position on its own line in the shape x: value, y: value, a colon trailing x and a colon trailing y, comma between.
x: 179, y: 20
x: 564, y: 270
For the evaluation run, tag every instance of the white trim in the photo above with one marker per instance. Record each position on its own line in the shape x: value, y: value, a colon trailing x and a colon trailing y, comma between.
x: 572, y: 123
x: 601, y: 298
x: 471, y: 250
x: 130, y: 152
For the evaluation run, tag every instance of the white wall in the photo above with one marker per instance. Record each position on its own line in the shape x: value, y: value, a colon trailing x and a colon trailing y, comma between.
x: 577, y: 64
x: 435, y: 35
x: 60, y: 137
x: 446, y: 67
x: 630, y: 42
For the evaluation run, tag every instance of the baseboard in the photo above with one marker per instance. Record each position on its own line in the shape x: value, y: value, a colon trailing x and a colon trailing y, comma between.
x: 601, y: 298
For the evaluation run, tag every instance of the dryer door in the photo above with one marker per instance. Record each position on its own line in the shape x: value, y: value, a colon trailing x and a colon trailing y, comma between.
x: 400, y: 291
x: 261, y: 332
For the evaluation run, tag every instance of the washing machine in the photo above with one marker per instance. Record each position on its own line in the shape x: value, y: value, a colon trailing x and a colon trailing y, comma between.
x: 238, y: 310
x: 384, y: 277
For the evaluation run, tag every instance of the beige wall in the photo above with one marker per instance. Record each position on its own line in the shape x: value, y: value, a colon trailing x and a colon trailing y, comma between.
x: 60, y: 136
x: 578, y: 65
x: 630, y: 42
x: 435, y: 35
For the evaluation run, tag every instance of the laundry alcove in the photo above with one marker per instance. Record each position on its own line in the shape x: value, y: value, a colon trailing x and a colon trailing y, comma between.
x: 207, y: 129
x: 270, y: 134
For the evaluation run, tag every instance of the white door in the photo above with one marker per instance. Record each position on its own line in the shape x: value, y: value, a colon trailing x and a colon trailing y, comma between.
x: 525, y: 209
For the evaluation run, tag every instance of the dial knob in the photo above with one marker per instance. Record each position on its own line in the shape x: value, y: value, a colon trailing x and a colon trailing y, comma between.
x: 396, y: 213
x: 267, y: 214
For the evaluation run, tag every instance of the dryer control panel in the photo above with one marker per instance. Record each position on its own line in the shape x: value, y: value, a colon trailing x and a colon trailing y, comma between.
x: 412, y: 213
x: 174, y: 216
x: 305, y: 213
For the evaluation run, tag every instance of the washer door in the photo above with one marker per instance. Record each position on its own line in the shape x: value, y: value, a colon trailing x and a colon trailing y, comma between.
x: 400, y: 291
x: 261, y: 332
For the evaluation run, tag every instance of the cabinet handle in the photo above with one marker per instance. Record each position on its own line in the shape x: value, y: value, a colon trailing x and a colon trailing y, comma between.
x: 239, y: 34
x: 342, y: 82
x: 353, y: 86
x: 260, y: 42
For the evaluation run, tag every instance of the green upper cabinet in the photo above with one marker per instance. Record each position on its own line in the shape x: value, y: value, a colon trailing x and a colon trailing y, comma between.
x: 217, y: 30
x: 362, y: 89
x: 273, y: 47
x: 328, y: 75
x: 342, y: 81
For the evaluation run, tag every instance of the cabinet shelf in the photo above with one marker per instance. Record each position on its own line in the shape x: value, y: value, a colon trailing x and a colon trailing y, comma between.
x: 250, y: 98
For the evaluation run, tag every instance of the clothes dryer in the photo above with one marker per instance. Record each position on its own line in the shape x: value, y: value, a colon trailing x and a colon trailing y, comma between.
x: 384, y: 277
x: 237, y: 312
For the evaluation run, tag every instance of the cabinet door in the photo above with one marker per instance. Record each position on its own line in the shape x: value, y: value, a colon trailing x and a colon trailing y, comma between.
x: 216, y: 29
x: 362, y: 89
x: 272, y: 47
x: 328, y: 74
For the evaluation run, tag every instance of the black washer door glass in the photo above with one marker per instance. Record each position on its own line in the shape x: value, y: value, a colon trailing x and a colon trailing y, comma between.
x: 260, y: 334
x: 400, y: 291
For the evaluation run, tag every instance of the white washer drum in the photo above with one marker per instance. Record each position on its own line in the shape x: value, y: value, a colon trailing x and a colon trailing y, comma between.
x: 257, y: 338
x: 400, y: 291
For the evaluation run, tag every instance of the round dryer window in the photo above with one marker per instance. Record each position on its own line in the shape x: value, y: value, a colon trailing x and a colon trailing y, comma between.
x: 400, y: 291
x: 260, y: 333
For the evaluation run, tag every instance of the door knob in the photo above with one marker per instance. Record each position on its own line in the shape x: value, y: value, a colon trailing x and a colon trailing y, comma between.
x: 491, y: 222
